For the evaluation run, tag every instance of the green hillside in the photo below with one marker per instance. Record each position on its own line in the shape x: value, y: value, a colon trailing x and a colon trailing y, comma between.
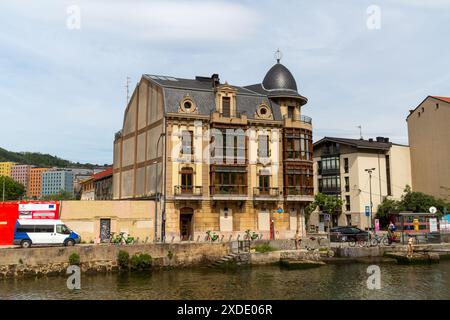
x: 41, y: 160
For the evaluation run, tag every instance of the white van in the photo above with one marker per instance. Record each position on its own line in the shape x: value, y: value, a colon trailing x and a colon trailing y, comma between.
x: 43, y: 232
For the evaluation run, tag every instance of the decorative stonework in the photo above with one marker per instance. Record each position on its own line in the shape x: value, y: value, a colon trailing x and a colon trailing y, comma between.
x: 264, y: 112
x: 188, y: 105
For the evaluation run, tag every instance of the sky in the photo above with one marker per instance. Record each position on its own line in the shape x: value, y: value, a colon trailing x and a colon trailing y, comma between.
x: 64, y: 64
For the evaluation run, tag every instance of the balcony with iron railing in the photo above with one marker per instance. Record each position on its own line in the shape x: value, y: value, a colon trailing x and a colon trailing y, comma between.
x: 298, y: 121
x: 266, y: 193
x: 231, y: 118
x: 187, y: 191
x: 328, y: 171
x: 299, y: 191
x: 330, y: 190
x: 224, y: 189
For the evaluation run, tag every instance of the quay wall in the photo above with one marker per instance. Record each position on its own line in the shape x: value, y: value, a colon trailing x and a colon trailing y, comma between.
x: 16, y: 262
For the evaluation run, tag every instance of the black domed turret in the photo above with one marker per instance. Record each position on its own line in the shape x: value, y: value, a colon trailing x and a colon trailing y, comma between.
x: 279, y: 78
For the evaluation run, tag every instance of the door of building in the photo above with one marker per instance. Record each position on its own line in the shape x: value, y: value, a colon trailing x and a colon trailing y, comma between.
x: 186, y: 230
x: 105, y: 230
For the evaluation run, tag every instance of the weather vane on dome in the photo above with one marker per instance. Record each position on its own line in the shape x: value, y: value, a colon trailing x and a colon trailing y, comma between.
x: 278, y: 55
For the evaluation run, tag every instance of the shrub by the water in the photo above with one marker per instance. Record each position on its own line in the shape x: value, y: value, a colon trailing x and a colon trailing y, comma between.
x: 74, y: 259
x: 265, y: 247
x: 141, y: 261
x: 123, y: 259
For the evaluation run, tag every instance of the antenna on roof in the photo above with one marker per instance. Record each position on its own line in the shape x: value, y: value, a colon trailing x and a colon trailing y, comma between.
x: 278, y: 55
x: 128, y: 89
x: 360, y: 132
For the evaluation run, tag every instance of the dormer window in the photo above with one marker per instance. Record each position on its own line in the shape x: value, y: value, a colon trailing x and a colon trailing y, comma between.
x: 187, y: 105
x: 226, y: 107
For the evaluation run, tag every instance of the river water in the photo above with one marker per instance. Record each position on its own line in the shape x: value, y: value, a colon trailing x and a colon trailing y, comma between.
x: 268, y: 282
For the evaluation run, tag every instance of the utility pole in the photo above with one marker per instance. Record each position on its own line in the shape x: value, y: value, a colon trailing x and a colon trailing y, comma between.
x: 369, y: 218
x: 3, y: 178
x: 156, y: 189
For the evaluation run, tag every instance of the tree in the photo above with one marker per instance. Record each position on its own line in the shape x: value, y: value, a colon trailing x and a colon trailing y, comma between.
x: 385, y: 209
x: 13, y: 189
x: 328, y: 204
x: 421, y: 202
x: 412, y: 202
x: 62, y: 195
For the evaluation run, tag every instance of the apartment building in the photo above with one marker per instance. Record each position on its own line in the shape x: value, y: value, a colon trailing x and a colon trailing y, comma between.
x: 56, y: 180
x: 220, y: 157
x: 429, y: 138
x: 355, y: 170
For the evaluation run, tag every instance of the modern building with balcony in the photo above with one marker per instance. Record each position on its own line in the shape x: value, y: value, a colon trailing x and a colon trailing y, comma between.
x: 340, y: 166
x: 217, y: 157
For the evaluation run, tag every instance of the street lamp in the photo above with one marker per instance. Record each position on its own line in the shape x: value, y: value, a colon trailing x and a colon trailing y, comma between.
x: 369, y: 224
x: 3, y: 178
x: 156, y: 189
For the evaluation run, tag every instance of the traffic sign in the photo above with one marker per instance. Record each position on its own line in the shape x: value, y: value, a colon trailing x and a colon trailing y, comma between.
x: 367, y: 211
x: 433, y: 210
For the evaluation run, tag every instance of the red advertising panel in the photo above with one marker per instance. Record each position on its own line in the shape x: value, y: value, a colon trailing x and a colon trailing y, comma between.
x: 11, y: 211
x: 8, y: 218
x: 38, y: 210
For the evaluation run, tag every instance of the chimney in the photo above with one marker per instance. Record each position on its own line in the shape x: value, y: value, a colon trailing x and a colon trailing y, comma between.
x: 380, y: 139
x: 370, y: 140
x: 386, y: 140
x: 215, y: 80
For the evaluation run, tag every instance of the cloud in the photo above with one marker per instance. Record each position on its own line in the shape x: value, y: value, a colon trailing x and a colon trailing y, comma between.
x: 166, y: 21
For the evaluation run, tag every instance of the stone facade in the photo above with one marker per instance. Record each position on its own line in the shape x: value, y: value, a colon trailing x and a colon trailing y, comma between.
x: 219, y: 157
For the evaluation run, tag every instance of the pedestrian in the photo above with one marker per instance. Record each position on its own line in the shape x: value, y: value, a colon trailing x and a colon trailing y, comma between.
x: 298, y: 240
x: 410, y: 247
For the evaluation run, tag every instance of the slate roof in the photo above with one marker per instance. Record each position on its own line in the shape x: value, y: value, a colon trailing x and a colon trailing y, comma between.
x: 358, y: 143
x: 202, y: 92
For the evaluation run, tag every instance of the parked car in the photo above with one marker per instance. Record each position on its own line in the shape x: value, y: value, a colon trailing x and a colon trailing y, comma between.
x: 44, y: 232
x: 344, y: 234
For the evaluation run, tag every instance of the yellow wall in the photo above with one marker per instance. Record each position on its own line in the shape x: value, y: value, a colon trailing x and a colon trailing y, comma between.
x: 5, y: 168
x: 134, y: 217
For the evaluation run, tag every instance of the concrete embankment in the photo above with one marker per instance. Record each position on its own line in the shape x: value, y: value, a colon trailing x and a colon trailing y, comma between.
x: 19, y: 262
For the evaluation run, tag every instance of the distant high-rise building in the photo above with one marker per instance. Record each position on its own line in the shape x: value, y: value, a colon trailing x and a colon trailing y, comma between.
x: 55, y: 181
x: 34, y: 188
x: 5, y: 168
x: 21, y: 173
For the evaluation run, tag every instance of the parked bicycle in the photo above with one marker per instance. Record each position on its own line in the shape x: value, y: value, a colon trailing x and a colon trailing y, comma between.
x: 121, y: 238
x: 211, y: 236
x: 250, y: 235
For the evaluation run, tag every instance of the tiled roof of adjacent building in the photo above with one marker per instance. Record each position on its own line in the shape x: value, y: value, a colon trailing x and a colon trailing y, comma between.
x: 103, y: 174
x: 446, y: 99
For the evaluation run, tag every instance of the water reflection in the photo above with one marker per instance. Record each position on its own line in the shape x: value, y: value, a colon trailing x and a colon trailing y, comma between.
x: 259, y: 283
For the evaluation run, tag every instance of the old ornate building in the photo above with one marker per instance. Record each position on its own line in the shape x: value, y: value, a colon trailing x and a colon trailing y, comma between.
x: 219, y: 157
